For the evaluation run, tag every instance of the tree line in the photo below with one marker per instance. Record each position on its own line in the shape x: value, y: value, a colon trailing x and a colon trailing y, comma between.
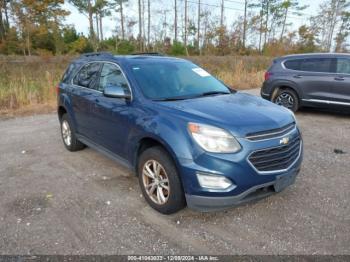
x: 178, y: 27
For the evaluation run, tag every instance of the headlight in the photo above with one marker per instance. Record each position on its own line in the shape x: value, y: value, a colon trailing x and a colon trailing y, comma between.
x: 213, y: 139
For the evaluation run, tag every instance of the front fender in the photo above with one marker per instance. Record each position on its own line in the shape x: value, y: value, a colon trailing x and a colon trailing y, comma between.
x: 171, y: 134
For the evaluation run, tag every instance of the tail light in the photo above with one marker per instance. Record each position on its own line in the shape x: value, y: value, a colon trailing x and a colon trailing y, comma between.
x: 267, y: 75
x: 57, y: 89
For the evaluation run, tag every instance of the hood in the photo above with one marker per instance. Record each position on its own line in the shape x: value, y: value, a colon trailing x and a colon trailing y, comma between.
x: 239, y: 113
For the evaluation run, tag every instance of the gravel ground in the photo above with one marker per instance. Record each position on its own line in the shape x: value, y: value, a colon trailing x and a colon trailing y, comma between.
x: 56, y: 202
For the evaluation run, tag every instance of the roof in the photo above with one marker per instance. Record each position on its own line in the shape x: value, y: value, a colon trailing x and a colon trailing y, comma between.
x: 127, y: 58
x: 305, y: 55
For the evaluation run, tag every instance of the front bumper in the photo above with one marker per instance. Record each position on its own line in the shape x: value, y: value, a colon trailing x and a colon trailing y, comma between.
x: 250, y: 184
x: 206, y: 203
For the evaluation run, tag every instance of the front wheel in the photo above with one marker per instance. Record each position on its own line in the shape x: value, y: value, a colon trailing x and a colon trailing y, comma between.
x: 160, y: 182
x: 287, y: 98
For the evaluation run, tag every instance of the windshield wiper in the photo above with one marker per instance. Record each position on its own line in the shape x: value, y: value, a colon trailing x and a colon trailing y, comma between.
x: 175, y: 98
x: 210, y: 93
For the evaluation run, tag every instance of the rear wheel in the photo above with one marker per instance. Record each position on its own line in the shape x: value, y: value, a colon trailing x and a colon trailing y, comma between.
x: 68, y: 135
x: 287, y: 98
x: 160, y: 182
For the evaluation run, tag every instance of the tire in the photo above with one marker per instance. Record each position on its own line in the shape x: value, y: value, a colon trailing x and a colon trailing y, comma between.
x: 68, y: 135
x: 287, y: 98
x: 173, y: 198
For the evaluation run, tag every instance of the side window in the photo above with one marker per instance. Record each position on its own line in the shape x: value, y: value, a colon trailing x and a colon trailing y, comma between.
x: 87, y: 75
x: 343, y: 66
x: 293, y: 64
x: 323, y: 65
x: 111, y: 75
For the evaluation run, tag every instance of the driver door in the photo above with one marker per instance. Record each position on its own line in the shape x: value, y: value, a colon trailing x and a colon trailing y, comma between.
x: 112, y: 115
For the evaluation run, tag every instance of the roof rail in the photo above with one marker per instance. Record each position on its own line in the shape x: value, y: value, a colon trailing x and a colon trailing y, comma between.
x: 148, y: 54
x: 97, y: 54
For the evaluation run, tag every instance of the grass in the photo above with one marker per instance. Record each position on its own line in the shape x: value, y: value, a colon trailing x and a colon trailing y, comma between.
x: 27, y: 84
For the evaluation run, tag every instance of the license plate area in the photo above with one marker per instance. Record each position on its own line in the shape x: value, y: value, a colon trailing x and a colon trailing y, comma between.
x: 283, y: 182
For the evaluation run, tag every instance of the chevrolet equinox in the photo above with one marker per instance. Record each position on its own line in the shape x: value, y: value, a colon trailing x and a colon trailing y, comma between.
x: 189, y: 138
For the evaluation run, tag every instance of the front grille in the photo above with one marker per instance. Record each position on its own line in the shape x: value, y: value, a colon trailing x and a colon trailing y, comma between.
x: 276, y: 158
x: 267, y: 134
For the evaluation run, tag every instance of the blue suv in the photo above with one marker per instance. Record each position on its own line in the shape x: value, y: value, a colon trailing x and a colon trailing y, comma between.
x: 188, y: 137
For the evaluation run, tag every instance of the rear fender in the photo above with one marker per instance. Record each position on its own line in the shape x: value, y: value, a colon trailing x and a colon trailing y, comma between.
x: 65, y: 102
x: 285, y: 84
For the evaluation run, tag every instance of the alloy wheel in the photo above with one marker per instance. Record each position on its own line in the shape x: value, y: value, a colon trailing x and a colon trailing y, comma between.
x: 66, y: 133
x: 156, y: 182
x: 285, y: 99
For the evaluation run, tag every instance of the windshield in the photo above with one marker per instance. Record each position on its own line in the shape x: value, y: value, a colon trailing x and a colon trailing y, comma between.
x: 167, y: 80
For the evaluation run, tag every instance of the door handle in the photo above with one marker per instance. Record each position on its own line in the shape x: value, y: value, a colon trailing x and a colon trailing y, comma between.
x: 297, y: 76
x: 339, y: 78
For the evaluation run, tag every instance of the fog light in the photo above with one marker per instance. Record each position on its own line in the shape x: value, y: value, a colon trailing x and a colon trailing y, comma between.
x: 213, y: 181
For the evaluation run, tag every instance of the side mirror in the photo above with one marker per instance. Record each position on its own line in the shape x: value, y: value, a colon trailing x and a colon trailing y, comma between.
x: 116, y: 92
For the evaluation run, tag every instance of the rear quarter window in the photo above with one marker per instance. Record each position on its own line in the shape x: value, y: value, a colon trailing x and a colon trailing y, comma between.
x: 68, y: 73
x: 293, y: 64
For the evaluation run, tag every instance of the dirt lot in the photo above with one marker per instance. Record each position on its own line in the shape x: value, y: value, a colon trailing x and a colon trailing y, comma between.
x: 56, y: 202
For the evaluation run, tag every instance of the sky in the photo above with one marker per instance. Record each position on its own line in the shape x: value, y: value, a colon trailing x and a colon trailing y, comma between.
x: 233, y: 9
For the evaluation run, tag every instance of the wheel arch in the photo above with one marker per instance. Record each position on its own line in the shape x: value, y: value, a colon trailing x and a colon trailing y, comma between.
x: 61, y: 110
x: 284, y: 86
x: 65, y: 107
x: 148, y: 142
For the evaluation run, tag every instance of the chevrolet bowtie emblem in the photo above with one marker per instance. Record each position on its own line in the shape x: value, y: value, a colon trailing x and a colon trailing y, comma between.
x: 284, y: 141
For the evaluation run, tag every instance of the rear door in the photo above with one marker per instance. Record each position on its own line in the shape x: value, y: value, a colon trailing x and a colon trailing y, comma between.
x: 82, y: 96
x: 341, y: 85
x: 315, y: 78
x: 111, y: 116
